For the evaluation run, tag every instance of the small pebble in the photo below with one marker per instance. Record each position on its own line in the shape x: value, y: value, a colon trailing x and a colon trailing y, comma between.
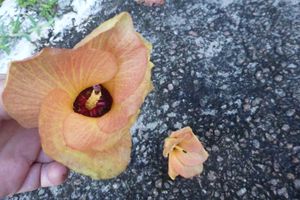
x: 285, y: 127
x: 256, y: 144
x: 292, y: 66
x: 290, y: 176
x: 170, y: 87
x: 41, y: 192
x: 280, y: 92
x: 258, y: 75
x: 290, y: 112
x: 211, y: 176
x: 115, y: 186
x: 158, y: 183
x: 283, y: 192
x: 219, y: 159
x: 77, y: 182
x: 241, y: 192
x: 297, y: 184
x: 278, y: 78
x: 193, y: 33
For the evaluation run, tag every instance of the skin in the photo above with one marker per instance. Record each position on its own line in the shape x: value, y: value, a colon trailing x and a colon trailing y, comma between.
x: 23, y: 164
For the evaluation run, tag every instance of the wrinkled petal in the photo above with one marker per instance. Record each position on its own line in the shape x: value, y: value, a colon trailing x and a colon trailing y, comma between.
x: 194, y: 145
x: 91, y: 67
x: 56, y: 108
x: 122, y: 113
x: 174, y: 139
x: 184, y: 133
x: 81, y: 132
x: 171, y: 171
x: 97, y: 164
x: 183, y: 170
x: 190, y: 142
x: 30, y: 80
x: 130, y: 75
x: 117, y: 35
x: 189, y: 158
x: 169, y: 145
x: 23, y: 91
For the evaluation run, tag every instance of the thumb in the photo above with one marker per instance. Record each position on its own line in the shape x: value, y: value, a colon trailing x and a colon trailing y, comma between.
x: 3, y: 113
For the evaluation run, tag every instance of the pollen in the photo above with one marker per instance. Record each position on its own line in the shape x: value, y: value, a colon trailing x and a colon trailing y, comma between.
x: 93, y: 99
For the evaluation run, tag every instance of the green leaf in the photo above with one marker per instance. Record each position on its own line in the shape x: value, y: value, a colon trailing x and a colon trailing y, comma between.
x: 16, y: 25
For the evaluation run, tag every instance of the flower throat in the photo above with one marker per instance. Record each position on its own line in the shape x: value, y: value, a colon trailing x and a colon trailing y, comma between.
x: 94, y: 101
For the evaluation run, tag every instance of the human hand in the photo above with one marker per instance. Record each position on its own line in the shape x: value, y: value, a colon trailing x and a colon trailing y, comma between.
x: 23, y: 165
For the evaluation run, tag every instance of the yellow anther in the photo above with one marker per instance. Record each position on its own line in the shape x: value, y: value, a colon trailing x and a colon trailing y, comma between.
x: 93, y: 99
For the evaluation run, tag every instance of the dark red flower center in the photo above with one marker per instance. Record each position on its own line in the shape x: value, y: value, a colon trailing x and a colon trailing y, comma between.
x: 94, y: 101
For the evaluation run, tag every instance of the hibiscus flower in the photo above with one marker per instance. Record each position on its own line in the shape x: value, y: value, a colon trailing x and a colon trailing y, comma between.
x: 84, y: 100
x: 186, y: 153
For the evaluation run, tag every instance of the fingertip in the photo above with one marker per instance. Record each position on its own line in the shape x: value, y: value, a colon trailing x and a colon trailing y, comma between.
x: 53, y: 174
x: 57, y: 173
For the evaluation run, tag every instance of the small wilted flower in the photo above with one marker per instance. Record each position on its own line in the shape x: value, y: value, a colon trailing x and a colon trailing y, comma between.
x: 186, y: 154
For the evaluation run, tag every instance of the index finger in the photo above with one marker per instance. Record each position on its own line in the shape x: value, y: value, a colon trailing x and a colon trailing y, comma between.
x: 3, y: 113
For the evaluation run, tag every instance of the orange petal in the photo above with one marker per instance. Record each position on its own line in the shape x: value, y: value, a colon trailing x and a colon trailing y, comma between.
x: 169, y: 145
x: 91, y: 67
x: 117, y: 35
x: 104, y: 164
x: 30, y: 80
x: 121, y: 114
x: 82, y: 133
x: 194, y: 145
x: 23, y: 90
x: 132, y: 69
x: 171, y: 171
x: 183, y: 170
x: 189, y: 158
x: 56, y: 107
x: 184, y: 133
x: 190, y: 142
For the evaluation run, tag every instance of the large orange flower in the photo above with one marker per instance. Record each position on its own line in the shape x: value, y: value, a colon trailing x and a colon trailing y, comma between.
x: 186, y: 153
x: 84, y: 100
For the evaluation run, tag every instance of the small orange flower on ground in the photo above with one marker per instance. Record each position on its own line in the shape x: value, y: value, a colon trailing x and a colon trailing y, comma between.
x: 84, y: 100
x: 186, y: 153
